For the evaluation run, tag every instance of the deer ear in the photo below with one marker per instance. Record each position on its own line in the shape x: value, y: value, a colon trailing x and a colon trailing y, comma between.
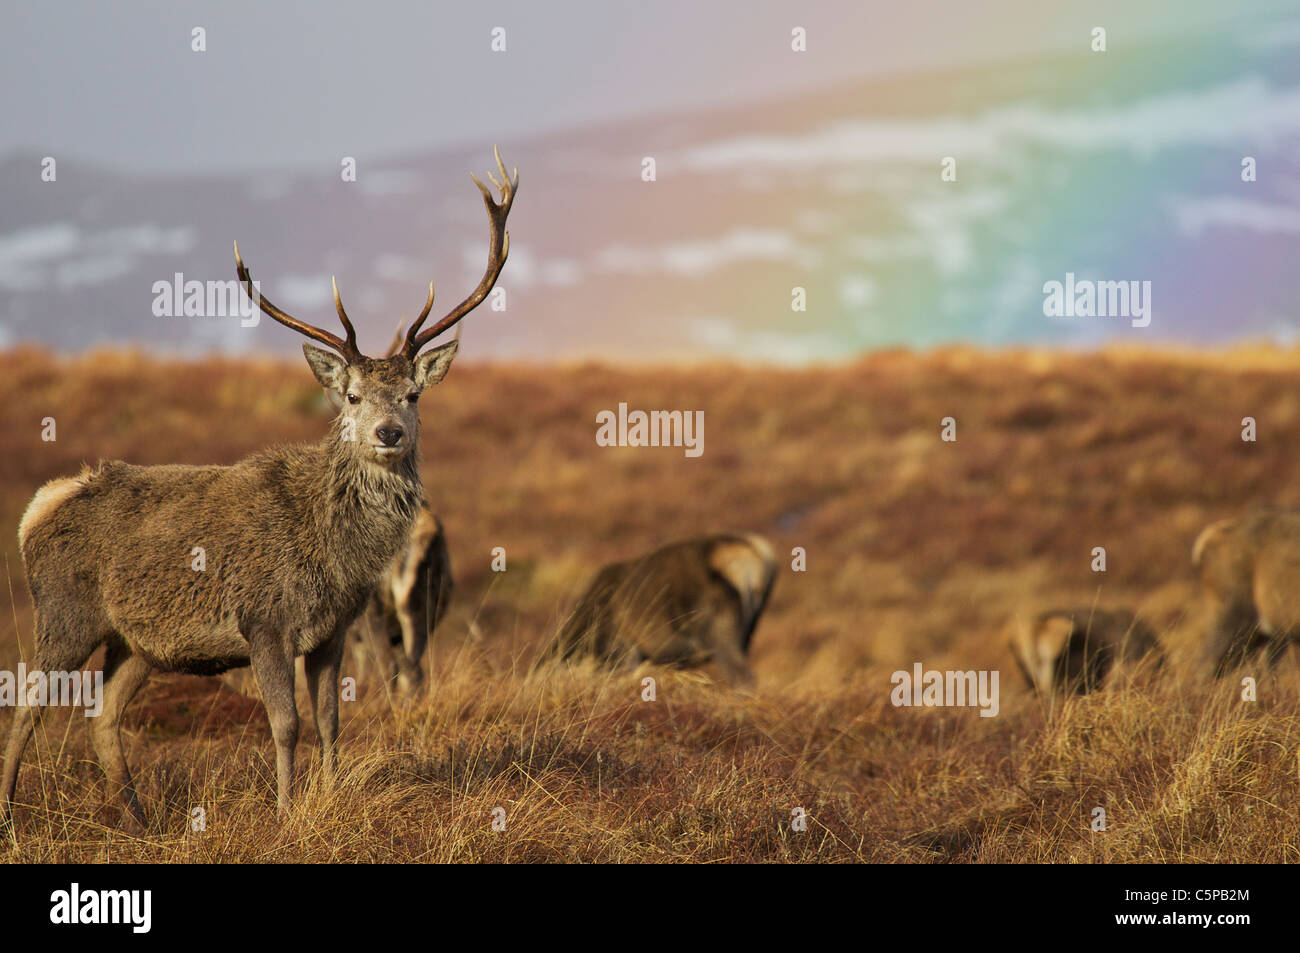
x: 432, y: 366
x: 329, y: 368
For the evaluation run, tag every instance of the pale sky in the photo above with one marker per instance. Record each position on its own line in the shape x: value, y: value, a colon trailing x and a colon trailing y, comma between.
x: 285, y: 84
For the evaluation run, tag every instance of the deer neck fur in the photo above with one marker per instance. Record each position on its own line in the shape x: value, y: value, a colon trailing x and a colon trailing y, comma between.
x: 365, y: 509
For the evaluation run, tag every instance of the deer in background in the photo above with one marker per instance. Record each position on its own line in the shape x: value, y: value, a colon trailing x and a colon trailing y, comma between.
x: 1071, y: 651
x: 407, y: 605
x: 294, y: 540
x: 1250, y: 580
x: 685, y: 604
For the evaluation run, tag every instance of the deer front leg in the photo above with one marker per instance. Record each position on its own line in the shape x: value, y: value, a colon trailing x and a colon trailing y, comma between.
x: 322, y: 667
x: 735, y: 667
x: 723, y: 641
x: 414, y: 638
x: 272, y: 663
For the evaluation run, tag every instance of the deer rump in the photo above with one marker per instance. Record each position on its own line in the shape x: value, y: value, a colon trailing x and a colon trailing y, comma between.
x: 407, y: 605
x: 685, y: 604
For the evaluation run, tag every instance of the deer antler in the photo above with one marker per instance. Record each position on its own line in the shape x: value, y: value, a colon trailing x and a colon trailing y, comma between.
x: 345, y: 346
x: 399, y: 338
x: 498, y: 249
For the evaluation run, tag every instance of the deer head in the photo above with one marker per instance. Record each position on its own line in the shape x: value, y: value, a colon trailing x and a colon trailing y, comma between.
x: 379, y: 415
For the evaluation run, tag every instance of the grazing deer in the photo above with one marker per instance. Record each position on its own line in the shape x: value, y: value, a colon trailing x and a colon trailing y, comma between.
x: 685, y: 604
x: 293, y: 540
x: 1072, y: 650
x: 1250, y: 579
x: 406, y: 606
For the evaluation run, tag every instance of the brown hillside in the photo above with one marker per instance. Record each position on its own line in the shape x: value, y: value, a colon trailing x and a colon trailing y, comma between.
x: 917, y: 550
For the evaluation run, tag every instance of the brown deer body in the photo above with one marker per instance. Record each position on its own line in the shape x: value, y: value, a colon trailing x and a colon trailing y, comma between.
x: 685, y: 604
x: 406, y: 606
x: 1250, y: 579
x: 202, y: 568
x: 1073, y: 650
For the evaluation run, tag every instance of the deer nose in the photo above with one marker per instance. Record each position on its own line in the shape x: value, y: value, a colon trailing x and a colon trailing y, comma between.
x: 389, y: 436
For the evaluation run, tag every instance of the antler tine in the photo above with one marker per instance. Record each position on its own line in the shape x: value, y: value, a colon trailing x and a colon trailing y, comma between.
x: 498, y: 250
x: 351, y: 341
x: 348, y: 348
x: 419, y: 320
x: 501, y: 166
x: 399, y: 338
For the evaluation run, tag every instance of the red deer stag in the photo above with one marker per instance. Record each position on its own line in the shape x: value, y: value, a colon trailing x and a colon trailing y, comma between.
x: 295, y: 539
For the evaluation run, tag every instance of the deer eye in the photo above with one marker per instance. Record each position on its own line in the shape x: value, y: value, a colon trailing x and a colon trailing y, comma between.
x: 353, y: 399
x: 412, y: 398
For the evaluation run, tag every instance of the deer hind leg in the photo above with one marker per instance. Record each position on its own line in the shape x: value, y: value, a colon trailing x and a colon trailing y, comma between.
x: 20, y: 732
x: 63, y: 644
x: 272, y: 662
x: 322, y: 667
x: 124, y: 673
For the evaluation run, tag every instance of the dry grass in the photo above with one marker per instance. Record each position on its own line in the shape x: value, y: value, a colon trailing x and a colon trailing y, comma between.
x: 918, y: 550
